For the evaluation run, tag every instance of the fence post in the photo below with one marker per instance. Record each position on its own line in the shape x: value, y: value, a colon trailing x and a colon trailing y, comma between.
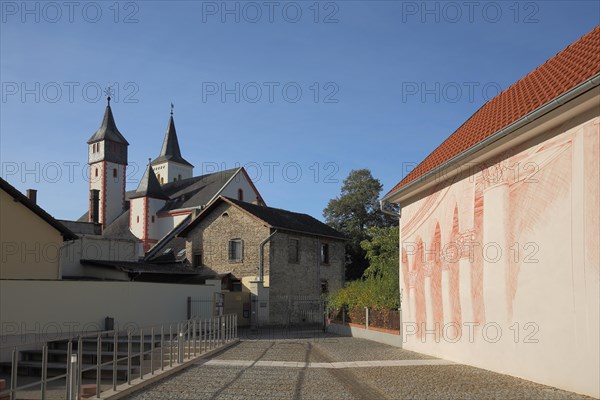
x: 367, y: 317
x: 73, y: 374
x: 44, y: 369
x: 115, y: 360
x: 189, y: 307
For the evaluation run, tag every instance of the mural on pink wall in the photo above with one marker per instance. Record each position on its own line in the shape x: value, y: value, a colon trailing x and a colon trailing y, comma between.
x: 465, y: 243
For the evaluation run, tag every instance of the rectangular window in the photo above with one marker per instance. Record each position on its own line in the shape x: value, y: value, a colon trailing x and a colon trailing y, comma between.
x: 198, y: 260
x: 236, y: 250
x: 293, y: 251
x: 236, y: 286
x: 324, y: 287
x: 325, y: 253
x: 114, y: 172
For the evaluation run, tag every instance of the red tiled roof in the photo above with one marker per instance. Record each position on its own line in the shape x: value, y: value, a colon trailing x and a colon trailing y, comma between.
x: 574, y: 65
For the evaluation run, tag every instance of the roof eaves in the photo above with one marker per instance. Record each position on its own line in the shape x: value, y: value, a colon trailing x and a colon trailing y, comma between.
x: 505, y: 131
x: 66, y: 233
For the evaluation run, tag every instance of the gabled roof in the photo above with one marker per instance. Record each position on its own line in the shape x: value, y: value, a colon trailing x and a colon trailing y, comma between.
x: 21, y: 198
x: 275, y: 218
x: 193, y: 192
x: 149, y: 186
x: 170, y: 149
x: 184, y: 194
x: 108, y: 129
x: 119, y: 228
x: 573, y: 66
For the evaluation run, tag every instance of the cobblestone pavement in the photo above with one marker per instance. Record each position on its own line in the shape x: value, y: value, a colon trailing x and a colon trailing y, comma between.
x: 314, y: 365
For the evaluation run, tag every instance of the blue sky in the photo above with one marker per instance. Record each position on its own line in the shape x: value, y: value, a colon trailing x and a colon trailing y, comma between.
x: 299, y: 92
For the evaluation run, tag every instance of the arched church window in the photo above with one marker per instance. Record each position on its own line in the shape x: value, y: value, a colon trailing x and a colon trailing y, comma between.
x: 96, y: 172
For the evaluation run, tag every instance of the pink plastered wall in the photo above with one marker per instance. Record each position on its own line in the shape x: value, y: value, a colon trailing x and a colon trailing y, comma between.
x: 500, y: 265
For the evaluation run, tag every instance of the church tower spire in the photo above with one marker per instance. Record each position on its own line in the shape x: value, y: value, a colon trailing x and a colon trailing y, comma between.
x: 170, y: 166
x: 107, y: 158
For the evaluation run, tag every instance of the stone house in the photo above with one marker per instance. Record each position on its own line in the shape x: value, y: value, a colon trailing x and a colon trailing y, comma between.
x: 277, y: 255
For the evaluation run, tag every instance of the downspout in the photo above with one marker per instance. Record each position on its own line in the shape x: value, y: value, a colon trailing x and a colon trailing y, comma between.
x: 261, y: 258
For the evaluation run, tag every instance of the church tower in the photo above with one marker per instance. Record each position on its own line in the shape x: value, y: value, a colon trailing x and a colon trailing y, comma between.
x: 170, y: 166
x: 145, y: 204
x: 107, y: 157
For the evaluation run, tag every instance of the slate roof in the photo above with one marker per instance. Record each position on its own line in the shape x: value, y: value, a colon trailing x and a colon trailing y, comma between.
x: 193, y: 192
x: 187, y: 193
x: 119, y: 228
x: 66, y: 233
x: 149, y: 186
x: 276, y: 218
x: 170, y: 149
x: 571, y: 67
x: 108, y: 129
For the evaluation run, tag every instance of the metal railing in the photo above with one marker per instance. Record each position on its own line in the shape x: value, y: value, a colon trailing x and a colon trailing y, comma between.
x: 158, y: 348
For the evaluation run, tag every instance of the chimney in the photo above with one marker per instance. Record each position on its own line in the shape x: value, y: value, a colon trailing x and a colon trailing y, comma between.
x: 32, y: 195
x: 94, y: 205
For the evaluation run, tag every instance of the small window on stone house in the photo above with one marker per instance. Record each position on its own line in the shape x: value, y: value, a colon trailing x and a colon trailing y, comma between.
x: 325, y: 253
x: 293, y: 251
x: 236, y: 250
x: 138, y: 219
x: 236, y: 286
x: 96, y: 172
x: 240, y: 195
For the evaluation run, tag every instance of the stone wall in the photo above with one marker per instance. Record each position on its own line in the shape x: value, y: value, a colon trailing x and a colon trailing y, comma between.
x: 211, y: 237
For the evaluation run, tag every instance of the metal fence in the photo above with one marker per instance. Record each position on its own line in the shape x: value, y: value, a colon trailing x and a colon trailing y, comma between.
x: 387, y: 319
x: 205, y: 306
x: 87, y: 365
x: 288, y: 310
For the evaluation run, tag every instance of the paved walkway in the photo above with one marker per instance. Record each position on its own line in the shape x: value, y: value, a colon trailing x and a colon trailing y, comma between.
x: 314, y: 365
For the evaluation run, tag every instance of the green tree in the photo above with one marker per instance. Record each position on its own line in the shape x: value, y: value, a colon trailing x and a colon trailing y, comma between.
x: 353, y: 213
x: 379, y: 286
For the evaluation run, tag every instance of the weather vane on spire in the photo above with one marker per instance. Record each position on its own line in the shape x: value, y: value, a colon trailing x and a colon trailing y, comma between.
x: 172, y: 107
x: 108, y: 92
